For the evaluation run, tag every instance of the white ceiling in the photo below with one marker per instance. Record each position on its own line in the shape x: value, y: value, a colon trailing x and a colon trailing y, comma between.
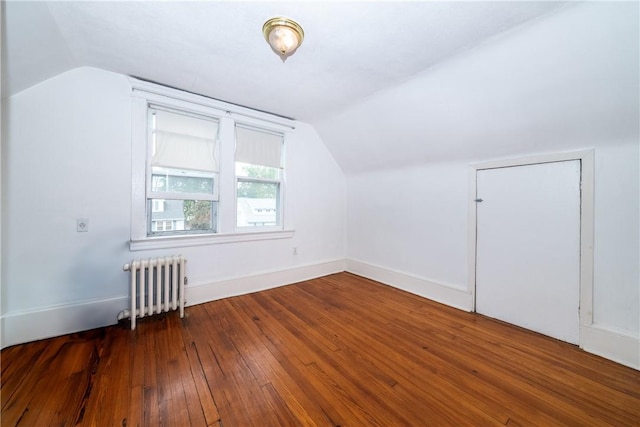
x: 215, y: 48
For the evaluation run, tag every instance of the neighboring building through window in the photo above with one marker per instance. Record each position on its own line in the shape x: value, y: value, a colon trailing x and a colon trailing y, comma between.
x: 157, y: 205
x: 169, y: 217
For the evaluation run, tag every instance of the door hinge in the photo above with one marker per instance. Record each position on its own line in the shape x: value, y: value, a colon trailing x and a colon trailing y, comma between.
x: 477, y: 200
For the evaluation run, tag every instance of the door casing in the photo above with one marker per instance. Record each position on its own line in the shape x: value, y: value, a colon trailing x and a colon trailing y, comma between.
x: 586, y: 158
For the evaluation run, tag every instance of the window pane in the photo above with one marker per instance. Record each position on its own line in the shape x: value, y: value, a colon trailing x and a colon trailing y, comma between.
x: 183, y: 216
x: 258, y: 204
x: 181, y: 181
x: 256, y: 171
x: 158, y: 183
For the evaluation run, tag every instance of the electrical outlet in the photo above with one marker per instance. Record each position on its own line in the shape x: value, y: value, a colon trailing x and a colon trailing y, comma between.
x: 82, y: 224
x: 295, y: 250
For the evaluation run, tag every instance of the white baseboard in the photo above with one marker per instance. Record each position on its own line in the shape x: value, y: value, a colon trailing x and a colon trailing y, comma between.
x: 47, y: 322
x: 199, y: 294
x: 32, y: 325
x: 596, y: 339
x: 612, y: 345
x: 2, y: 333
x: 430, y: 289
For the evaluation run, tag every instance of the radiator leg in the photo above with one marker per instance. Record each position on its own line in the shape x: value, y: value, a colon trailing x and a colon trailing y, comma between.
x: 133, y: 294
x: 183, y: 273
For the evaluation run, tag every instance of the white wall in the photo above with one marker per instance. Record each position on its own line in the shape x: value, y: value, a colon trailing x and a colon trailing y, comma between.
x: 616, y: 244
x: 412, y: 220
x: 67, y: 155
x: 1, y: 182
x: 567, y: 82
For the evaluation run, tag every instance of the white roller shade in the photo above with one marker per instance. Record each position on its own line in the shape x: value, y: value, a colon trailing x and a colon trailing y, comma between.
x: 184, y: 142
x: 258, y: 148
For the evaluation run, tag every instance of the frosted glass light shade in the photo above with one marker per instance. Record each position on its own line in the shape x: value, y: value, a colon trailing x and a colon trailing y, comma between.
x: 284, y: 35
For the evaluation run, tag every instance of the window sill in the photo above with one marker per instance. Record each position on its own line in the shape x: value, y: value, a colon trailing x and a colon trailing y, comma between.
x: 206, y: 239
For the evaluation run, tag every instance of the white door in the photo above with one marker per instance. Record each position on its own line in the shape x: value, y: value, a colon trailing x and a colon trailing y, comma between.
x: 528, y: 247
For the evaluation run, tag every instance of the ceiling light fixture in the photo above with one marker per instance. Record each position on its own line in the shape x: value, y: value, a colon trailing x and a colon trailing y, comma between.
x: 284, y: 35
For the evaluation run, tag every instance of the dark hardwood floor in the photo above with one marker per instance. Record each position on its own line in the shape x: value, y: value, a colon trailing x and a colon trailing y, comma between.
x: 335, y: 351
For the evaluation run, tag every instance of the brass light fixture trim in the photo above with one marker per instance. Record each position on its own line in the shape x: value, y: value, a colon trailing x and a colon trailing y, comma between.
x: 284, y: 35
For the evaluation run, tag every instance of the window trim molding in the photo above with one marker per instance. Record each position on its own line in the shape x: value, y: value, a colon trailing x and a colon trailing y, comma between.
x: 165, y: 242
x: 190, y: 101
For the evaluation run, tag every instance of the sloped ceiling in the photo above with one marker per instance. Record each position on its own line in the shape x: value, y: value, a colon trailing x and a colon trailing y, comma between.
x: 386, y: 84
x: 351, y: 49
x: 567, y: 82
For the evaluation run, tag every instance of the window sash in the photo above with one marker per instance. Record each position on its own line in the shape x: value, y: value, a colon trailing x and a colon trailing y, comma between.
x: 278, y: 200
x: 182, y: 196
x: 175, y: 195
x: 176, y: 232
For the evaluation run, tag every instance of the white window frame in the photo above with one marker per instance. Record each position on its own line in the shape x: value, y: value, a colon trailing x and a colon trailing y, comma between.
x: 144, y: 94
x: 281, y: 184
x: 167, y: 195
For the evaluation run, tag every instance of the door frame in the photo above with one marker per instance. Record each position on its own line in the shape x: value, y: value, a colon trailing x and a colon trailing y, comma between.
x: 587, y: 166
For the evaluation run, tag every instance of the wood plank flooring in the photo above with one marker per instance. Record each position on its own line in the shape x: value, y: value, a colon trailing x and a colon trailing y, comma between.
x: 335, y: 351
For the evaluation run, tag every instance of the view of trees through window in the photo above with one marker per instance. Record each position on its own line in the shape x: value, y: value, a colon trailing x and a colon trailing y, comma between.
x: 257, y: 190
x: 197, y: 214
x: 180, y: 182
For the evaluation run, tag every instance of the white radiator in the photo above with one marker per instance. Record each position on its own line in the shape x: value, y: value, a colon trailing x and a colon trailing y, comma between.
x: 157, y: 285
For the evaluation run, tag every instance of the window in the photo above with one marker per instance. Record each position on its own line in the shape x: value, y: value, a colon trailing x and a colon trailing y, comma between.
x: 204, y: 171
x: 182, y: 172
x: 258, y: 177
